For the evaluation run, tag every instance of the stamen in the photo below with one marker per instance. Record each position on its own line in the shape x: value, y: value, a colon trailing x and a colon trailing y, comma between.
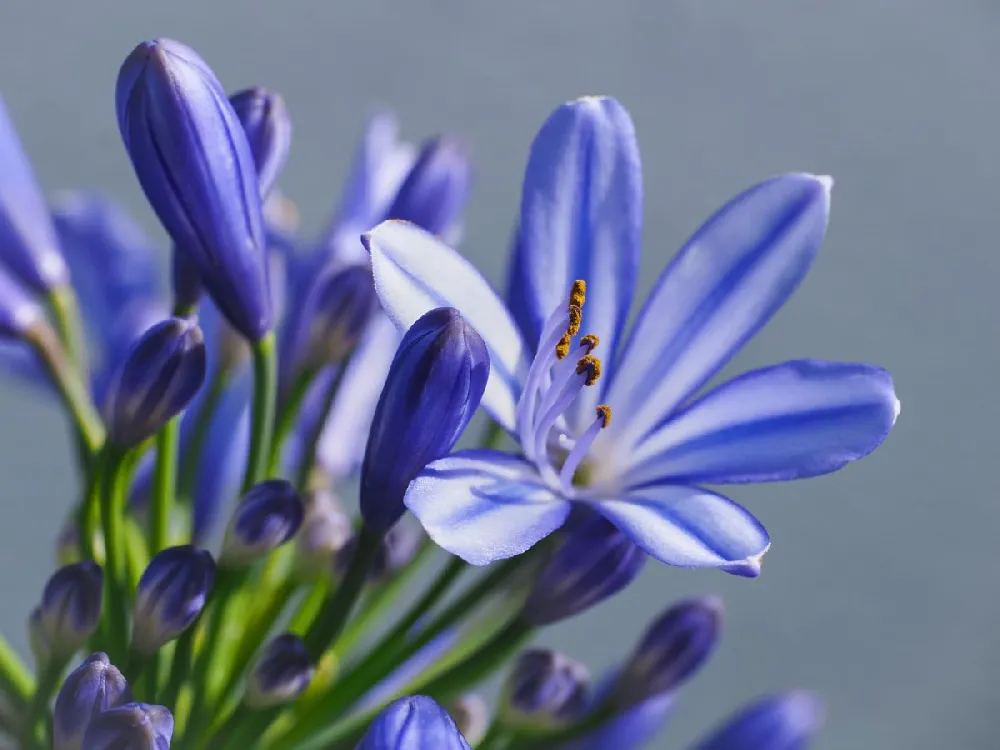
x: 562, y: 348
x: 590, y: 341
x: 590, y: 365
x: 538, y: 375
x: 575, y: 318
x: 582, y: 447
x: 578, y: 294
x: 604, y: 411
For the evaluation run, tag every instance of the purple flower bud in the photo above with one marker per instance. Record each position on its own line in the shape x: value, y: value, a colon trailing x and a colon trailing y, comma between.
x: 437, y: 187
x: 172, y: 593
x: 268, y: 516
x: 264, y: 117
x: 160, y: 376
x: 18, y: 311
x: 69, y: 612
x: 133, y: 726
x: 28, y: 244
x: 630, y: 729
x: 782, y: 722
x: 545, y: 689
x: 673, y: 648
x: 593, y: 562
x: 411, y: 723
x: 282, y: 673
x: 472, y: 716
x: 92, y: 688
x: 325, y: 531
x: 434, y: 386
x: 195, y: 165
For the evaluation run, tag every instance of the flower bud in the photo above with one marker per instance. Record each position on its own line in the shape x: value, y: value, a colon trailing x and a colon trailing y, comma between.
x: 673, y: 648
x: 325, y: 531
x: 413, y: 722
x: 399, y: 546
x: 282, y: 673
x: 781, y: 722
x: 268, y: 128
x: 172, y: 593
x: 92, y: 688
x: 69, y: 612
x: 133, y: 726
x: 268, y: 516
x: 18, y: 311
x: 28, y: 244
x: 160, y: 376
x: 434, y: 386
x: 545, y: 689
x: 472, y: 717
x: 437, y: 188
x: 195, y: 165
x: 593, y: 562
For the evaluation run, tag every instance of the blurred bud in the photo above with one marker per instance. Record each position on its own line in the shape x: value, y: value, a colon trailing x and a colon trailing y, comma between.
x: 133, y: 726
x: 471, y: 713
x: 630, y: 729
x: 18, y: 311
x: 434, y: 386
x: 68, y: 543
x: 410, y: 723
x: 92, y: 688
x: 69, y: 612
x: 172, y: 592
x: 437, y: 187
x: 160, y: 376
x: 280, y: 213
x: 593, y: 562
x: 28, y: 245
x: 268, y: 128
x: 196, y: 168
x: 399, y: 546
x: 268, y: 516
x: 281, y: 674
x: 545, y: 689
x: 673, y: 648
x: 782, y: 722
x: 325, y: 531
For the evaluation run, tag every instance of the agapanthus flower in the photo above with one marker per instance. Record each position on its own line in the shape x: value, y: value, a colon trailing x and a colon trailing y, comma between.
x: 413, y: 723
x: 630, y: 436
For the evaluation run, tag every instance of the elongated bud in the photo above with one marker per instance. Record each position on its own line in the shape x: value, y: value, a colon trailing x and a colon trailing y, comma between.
x: 781, y: 722
x: 546, y: 689
x: 133, y: 726
x: 594, y: 561
x: 18, y: 311
x: 69, y: 612
x: 92, y: 688
x: 172, y: 593
x: 410, y: 723
x: 268, y: 127
x: 160, y: 376
x: 28, y: 244
x: 268, y: 516
x: 471, y: 713
x: 673, y: 648
x: 434, y: 386
x: 282, y: 673
x: 436, y: 189
x: 194, y: 163
x: 325, y: 531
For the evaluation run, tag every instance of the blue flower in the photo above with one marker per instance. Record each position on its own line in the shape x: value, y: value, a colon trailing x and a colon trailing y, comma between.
x: 326, y: 531
x: 18, y: 311
x: 781, y: 722
x: 435, y: 191
x: 413, y: 723
x: 545, y: 689
x: 172, y: 592
x: 644, y: 469
x: 268, y: 516
x: 91, y: 689
x: 69, y: 612
x: 282, y: 672
x: 268, y: 127
x: 136, y: 726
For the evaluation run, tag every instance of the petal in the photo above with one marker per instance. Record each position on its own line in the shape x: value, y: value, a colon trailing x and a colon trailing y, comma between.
x: 581, y: 218
x: 687, y: 526
x: 485, y: 505
x: 416, y: 272
x: 789, y: 421
x: 726, y: 282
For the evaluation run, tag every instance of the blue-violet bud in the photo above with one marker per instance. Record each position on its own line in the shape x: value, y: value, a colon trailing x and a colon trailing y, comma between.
x: 268, y: 516
x: 133, y: 726
x: 196, y: 168
x: 782, y: 722
x: 69, y: 612
x: 413, y: 723
x: 172, y: 593
x: 282, y: 673
x: 437, y: 187
x: 471, y: 713
x: 268, y: 128
x: 18, y: 311
x: 546, y: 689
x: 434, y: 386
x: 158, y: 378
x: 92, y: 688
x: 325, y: 531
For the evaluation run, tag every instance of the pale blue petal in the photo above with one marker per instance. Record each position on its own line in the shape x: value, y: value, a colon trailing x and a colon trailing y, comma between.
x: 485, y: 505
x: 792, y: 420
x: 727, y: 282
x: 416, y: 272
x: 629, y: 730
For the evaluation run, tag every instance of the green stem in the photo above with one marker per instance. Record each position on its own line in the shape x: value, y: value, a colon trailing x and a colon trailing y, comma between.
x: 307, y: 458
x: 66, y: 314
x: 496, y: 738
x: 115, y: 485
x: 40, y: 701
x: 15, y: 679
x: 181, y: 666
x: 288, y: 413
x: 190, y: 461
x: 243, y: 728
x: 308, y: 609
x: 164, y: 485
x: 265, y: 382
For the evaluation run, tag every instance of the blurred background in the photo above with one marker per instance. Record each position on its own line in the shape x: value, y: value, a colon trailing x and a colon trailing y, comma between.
x: 879, y: 589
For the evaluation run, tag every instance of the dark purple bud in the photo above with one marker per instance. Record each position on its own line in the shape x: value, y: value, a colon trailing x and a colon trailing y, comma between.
x: 781, y: 722
x: 18, y: 311
x: 434, y: 386
x: 471, y: 713
x: 195, y: 165
x: 160, y: 376
x: 172, y: 593
x: 593, y: 562
x: 437, y: 188
x: 268, y: 129
x: 133, y: 726
x: 410, y: 723
x: 325, y: 531
x: 282, y: 673
x: 92, y: 688
x: 545, y: 689
x: 69, y: 612
x: 268, y: 516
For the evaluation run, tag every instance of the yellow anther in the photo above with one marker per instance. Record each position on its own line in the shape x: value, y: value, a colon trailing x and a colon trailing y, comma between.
x: 575, y: 318
x: 604, y: 413
x: 578, y: 294
x: 590, y: 365
x: 562, y: 348
x: 590, y: 341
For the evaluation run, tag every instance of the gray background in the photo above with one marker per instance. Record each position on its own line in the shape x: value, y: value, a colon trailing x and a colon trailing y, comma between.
x: 879, y: 589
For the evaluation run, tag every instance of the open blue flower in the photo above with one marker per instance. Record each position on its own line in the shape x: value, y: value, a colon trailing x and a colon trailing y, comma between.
x: 644, y: 470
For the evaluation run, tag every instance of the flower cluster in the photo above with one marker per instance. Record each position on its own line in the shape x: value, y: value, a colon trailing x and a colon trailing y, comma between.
x: 277, y: 368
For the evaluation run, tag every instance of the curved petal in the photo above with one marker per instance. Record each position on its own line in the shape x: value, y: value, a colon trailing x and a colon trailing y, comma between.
x: 789, y: 421
x: 485, y: 505
x: 724, y: 284
x: 416, y: 272
x: 688, y: 526
x: 581, y: 218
